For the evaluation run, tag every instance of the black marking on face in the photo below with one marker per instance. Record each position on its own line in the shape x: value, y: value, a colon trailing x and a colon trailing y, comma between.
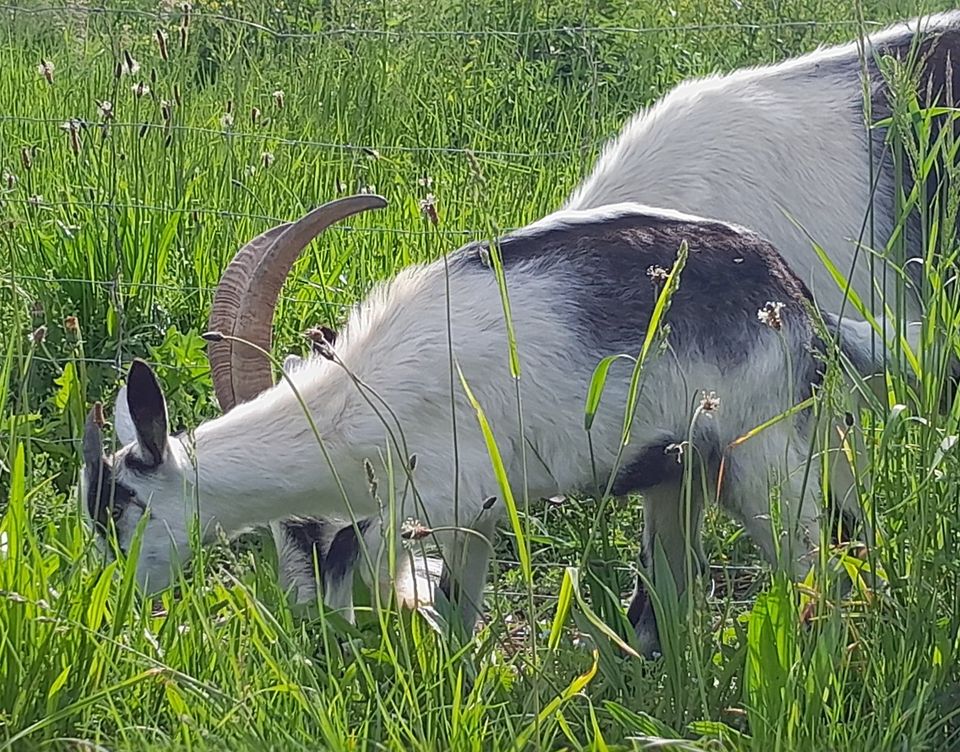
x: 106, y: 497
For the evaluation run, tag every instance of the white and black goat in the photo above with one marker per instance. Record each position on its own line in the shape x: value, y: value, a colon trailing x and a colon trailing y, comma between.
x: 775, y: 146
x: 782, y: 149
x: 582, y: 287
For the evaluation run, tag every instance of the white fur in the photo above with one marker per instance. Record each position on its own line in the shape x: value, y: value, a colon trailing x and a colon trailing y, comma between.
x: 261, y: 461
x: 756, y: 145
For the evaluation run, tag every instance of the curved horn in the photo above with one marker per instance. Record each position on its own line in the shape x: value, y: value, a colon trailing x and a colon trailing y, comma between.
x: 246, y: 298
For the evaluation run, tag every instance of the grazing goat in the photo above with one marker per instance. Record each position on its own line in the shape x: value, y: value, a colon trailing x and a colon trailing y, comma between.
x: 582, y: 286
x: 755, y: 147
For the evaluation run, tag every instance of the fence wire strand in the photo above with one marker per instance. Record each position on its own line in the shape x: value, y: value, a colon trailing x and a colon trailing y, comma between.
x: 436, y: 33
x: 594, y: 142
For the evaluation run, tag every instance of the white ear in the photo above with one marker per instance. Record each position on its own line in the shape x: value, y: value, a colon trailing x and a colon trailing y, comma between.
x: 122, y: 420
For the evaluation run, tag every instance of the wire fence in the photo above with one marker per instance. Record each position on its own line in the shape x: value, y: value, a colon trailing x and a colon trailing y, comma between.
x: 582, y: 30
x: 583, y: 149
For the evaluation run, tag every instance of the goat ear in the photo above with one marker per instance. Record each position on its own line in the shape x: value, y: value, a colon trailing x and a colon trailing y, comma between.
x: 148, y: 413
x: 122, y: 420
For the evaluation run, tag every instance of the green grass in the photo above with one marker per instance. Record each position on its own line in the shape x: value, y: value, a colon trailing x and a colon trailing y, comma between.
x: 138, y: 218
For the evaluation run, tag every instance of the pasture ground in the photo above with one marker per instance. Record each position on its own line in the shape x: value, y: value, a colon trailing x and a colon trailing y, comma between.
x: 158, y: 139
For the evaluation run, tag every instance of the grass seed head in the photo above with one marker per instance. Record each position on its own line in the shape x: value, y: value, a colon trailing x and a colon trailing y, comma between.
x: 414, y: 530
x: 162, y: 44
x: 38, y: 335
x: 128, y: 65
x: 658, y: 275
x: 45, y: 69
x: 278, y: 98
x: 140, y: 89
x: 428, y: 206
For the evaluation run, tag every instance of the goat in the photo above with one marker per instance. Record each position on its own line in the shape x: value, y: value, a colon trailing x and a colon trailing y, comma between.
x: 785, y: 150
x: 580, y: 290
x: 789, y: 137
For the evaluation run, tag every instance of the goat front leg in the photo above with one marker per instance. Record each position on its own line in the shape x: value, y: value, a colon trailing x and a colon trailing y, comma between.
x: 668, y: 520
x: 466, y: 559
x: 317, y: 556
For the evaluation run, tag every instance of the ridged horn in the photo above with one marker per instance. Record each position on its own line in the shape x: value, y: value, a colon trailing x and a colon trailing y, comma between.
x: 246, y: 298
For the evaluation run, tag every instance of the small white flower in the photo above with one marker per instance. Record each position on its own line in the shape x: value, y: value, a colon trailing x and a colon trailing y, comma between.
x: 105, y: 108
x: 769, y: 315
x: 710, y: 402
x: 129, y: 66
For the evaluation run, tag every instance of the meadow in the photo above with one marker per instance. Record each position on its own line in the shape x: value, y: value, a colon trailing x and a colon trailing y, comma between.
x: 142, y: 142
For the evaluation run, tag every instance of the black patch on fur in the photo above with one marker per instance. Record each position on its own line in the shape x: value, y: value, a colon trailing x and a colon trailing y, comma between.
x: 653, y: 466
x: 730, y: 274
x: 449, y: 586
x: 934, y: 58
x: 106, y: 497
x: 311, y: 534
